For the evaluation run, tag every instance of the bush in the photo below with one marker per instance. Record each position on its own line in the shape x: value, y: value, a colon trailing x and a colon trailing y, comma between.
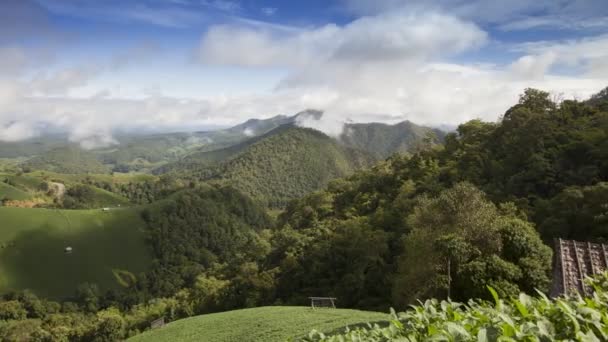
x: 521, y: 318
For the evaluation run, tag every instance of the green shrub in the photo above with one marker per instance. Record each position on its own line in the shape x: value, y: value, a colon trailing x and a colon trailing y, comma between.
x: 522, y: 318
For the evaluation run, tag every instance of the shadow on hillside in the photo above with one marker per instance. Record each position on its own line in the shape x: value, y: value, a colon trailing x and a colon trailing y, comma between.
x: 37, y: 260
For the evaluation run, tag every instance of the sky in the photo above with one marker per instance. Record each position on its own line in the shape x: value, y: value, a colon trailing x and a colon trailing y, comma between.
x: 94, y: 68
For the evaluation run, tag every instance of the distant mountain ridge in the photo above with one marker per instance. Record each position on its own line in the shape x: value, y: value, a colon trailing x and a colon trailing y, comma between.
x: 383, y: 140
x: 280, y: 166
x: 160, y: 153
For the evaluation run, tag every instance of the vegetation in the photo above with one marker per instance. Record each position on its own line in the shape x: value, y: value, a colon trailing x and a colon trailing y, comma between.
x: 383, y: 140
x: 9, y: 192
x: 208, y: 230
x: 88, y: 197
x: 33, y: 242
x: 285, y: 164
x: 275, y: 323
x: 521, y: 318
x: 70, y: 159
x: 476, y: 210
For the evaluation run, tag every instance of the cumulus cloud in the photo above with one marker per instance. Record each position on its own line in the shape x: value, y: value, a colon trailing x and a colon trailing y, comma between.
x: 392, y: 66
x: 589, y: 54
x: 395, y: 36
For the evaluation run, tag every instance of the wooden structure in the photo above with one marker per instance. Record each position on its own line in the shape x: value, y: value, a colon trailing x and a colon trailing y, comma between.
x: 322, y: 302
x: 157, y: 323
x: 575, y: 261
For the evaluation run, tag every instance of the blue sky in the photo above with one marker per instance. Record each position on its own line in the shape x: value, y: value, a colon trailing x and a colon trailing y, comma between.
x: 93, y: 67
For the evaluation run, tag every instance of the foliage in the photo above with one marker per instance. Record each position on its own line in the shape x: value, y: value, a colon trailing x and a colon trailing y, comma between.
x: 482, y: 246
x: 514, y: 318
x: 383, y: 140
x: 282, y: 165
x: 195, y: 229
x: 83, y: 196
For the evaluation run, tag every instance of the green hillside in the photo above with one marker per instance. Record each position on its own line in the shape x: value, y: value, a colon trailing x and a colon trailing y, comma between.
x: 32, y: 243
x: 285, y: 164
x: 272, y: 323
x: 71, y: 159
x: 382, y: 140
x: 10, y: 192
x: 89, y: 197
x: 24, y: 182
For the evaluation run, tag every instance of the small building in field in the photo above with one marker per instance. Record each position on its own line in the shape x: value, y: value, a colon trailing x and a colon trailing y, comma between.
x: 575, y: 261
x: 68, y: 250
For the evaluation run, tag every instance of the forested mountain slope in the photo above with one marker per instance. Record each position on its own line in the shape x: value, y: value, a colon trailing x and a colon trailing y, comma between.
x: 284, y: 164
x: 383, y: 140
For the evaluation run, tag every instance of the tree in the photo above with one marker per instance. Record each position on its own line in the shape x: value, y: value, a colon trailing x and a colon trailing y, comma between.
x: 482, y: 245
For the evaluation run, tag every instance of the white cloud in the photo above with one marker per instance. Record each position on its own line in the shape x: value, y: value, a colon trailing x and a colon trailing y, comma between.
x: 514, y: 15
x: 16, y: 130
x: 533, y: 66
x: 370, y: 39
x: 385, y: 67
x: 588, y: 54
x: 249, y: 132
x: 269, y: 11
x: 388, y: 67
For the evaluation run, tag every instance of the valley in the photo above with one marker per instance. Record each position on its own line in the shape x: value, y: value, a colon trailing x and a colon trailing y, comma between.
x: 253, y: 226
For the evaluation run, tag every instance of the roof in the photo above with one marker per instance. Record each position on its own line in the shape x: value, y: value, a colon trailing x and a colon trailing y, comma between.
x: 575, y: 261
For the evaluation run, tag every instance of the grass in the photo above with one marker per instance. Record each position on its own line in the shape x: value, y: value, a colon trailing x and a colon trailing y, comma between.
x: 271, y: 323
x: 105, y: 198
x: 12, y: 193
x: 23, y: 182
x: 32, y: 244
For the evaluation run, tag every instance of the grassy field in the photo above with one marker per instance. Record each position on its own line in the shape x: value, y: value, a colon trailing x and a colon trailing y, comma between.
x: 272, y: 323
x: 32, y: 244
x: 12, y: 193
x: 23, y: 182
x: 105, y: 198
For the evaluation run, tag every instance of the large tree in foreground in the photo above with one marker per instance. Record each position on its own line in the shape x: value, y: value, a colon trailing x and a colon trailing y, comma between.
x: 461, y: 242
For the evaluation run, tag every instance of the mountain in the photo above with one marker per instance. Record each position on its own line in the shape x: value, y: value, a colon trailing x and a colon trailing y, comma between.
x: 159, y: 152
x: 383, y: 140
x: 281, y: 165
x: 253, y: 127
x: 142, y: 152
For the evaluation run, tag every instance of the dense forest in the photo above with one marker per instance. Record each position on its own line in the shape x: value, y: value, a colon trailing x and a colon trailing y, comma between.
x: 280, y: 166
x: 485, y: 205
x: 384, y: 140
